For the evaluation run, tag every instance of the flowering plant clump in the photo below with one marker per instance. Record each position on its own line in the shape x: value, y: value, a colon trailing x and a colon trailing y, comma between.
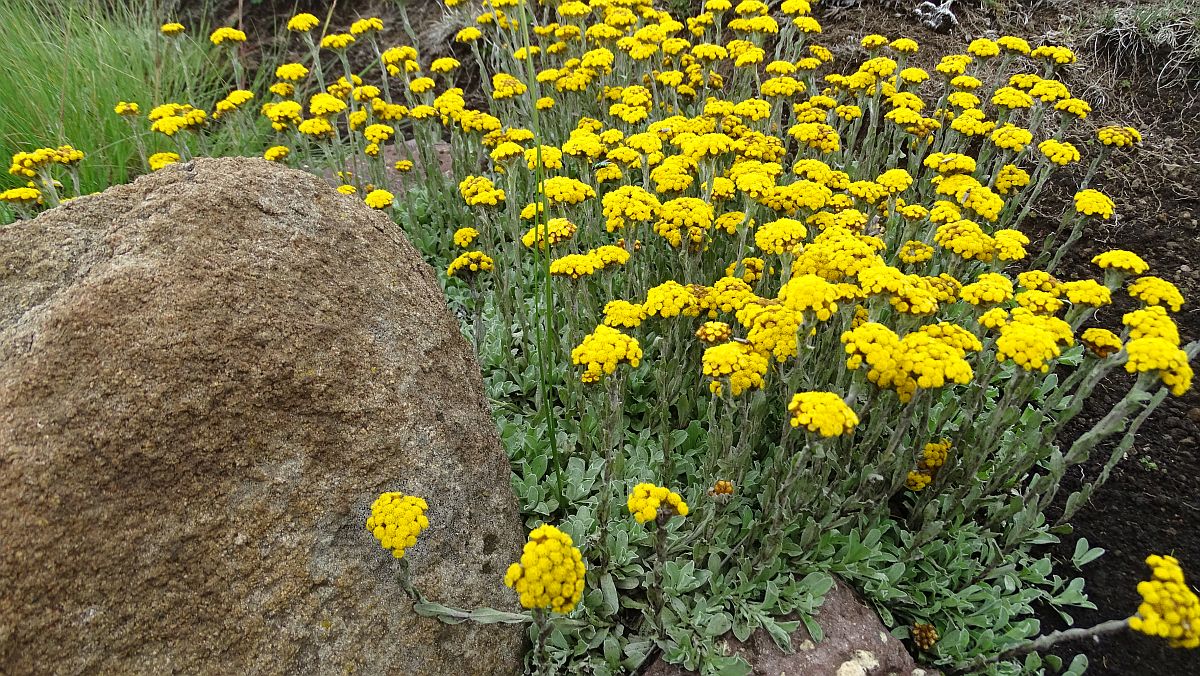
x: 810, y: 277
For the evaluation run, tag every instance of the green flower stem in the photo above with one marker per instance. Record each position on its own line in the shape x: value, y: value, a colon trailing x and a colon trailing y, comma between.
x: 544, y: 333
x: 541, y: 652
x: 655, y: 590
x: 611, y: 407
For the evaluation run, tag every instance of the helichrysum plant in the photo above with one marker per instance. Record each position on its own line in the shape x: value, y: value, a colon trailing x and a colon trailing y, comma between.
x: 697, y: 251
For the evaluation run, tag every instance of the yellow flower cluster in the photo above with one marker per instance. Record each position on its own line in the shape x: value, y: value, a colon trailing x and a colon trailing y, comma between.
x: 159, y: 160
x: 226, y: 34
x: 397, y: 520
x: 822, y: 412
x: 602, y: 350
x: 27, y: 164
x: 21, y: 196
x: 935, y: 454
x: 622, y: 313
x: 379, y: 199
x: 463, y: 237
x: 302, y: 23
x: 1160, y: 355
x: 1101, y: 342
x: 553, y: 231
x: 918, y: 360
x: 648, y: 502
x: 234, y: 100
x: 551, y: 572
x: 480, y: 191
x: 1122, y: 261
x: 1094, y: 203
x: 1032, y: 340
x: 1156, y: 291
x: 714, y: 332
x: 737, y: 362
x: 468, y: 263
x: 126, y: 108
x: 1169, y: 608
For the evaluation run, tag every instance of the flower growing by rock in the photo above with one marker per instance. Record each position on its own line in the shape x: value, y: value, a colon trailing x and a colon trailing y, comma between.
x: 396, y: 520
x: 550, y: 574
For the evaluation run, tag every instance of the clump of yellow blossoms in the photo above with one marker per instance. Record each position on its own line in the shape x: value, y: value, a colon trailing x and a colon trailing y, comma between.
x: 935, y: 454
x: 397, y: 520
x: 159, y: 160
x: 379, y: 199
x: 1154, y: 354
x: 469, y: 263
x: 924, y: 636
x: 550, y: 574
x: 1123, y: 261
x: 714, y: 332
x: 1169, y: 609
x: 648, y: 502
x: 302, y: 23
x: 1156, y: 291
x: 738, y: 363
x: 822, y: 412
x: 226, y: 34
x: 1101, y: 342
x: 602, y: 350
x: 463, y: 237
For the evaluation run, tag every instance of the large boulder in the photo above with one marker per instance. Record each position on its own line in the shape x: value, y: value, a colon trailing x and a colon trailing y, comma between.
x: 206, y: 377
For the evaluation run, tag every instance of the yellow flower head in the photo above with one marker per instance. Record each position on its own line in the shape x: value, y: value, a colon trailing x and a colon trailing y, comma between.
x: 623, y: 314
x: 1151, y: 354
x: 469, y: 263
x: 126, y: 108
x: 396, y: 520
x: 602, y: 350
x: 648, y: 502
x: 159, y: 160
x: 1169, y: 608
x: 337, y: 41
x: 364, y: 26
x: 302, y: 23
x: 1156, y: 291
x: 1100, y: 342
x: 226, y: 34
x: 551, y: 572
x: 1123, y: 261
x: 380, y: 199
x: 735, y: 362
x: 172, y: 29
x: 822, y: 412
x: 464, y: 236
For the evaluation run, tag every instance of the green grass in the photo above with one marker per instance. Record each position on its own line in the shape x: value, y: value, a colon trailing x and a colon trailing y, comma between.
x: 68, y: 62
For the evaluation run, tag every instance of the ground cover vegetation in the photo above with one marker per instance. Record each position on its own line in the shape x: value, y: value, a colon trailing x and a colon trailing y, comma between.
x: 749, y: 318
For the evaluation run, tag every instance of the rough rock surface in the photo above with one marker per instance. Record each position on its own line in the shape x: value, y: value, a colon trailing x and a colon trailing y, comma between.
x: 206, y: 377
x: 856, y: 644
